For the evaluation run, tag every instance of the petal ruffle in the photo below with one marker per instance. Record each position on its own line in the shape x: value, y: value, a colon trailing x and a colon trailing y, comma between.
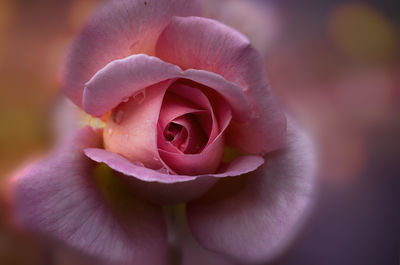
x: 208, y: 160
x: 116, y: 30
x: 253, y: 218
x: 205, y: 44
x: 60, y: 198
x: 126, y: 77
x: 161, y: 184
x: 121, y: 79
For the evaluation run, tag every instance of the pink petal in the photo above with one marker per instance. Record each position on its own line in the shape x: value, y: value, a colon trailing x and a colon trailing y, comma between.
x: 254, y: 218
x: 258, y: 20
x: 169, y: 193
x: 232, y: 93
x: 196, y: 139
x: 208, y: 160
x: 193, y: 93
x: 200, y: 43
x: 177, y: 103
x: 166, y: 185
x: 175, y: 106
x: 59, y: 199
x: 116, y: 30
x: 126, y: 77
x: 132, y: 129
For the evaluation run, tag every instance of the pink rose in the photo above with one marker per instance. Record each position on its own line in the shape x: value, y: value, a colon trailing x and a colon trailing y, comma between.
x: 186, y: 104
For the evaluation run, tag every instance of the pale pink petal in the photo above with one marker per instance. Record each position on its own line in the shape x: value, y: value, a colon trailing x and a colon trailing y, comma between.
x: 205, y: 44
x: 162, y: 186
x: 132, y: 128
x: 126, y: 77
x: 116, y: 30
x: 255, y: 217
x: 59, y: 199
x: 122, y: 79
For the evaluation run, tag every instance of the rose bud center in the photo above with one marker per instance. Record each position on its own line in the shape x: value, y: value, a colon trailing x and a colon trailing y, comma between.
x: 178, y: 129
x: 173, y: 130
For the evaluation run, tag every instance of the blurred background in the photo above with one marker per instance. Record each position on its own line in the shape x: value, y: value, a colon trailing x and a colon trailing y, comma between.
x: 333, y: 64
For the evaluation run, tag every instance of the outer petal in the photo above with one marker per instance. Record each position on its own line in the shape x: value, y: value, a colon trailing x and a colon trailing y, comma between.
x: 122, y: 79
x: 190, y: 250
x: 170, y: 188
x: 239, y: 166
x: 126, y: 77
x: 258, y: 20
x: 116, y: 30
x: 253, y: 219
x: 59, y: 198
x: 199, y: 43
x: 194, y: 254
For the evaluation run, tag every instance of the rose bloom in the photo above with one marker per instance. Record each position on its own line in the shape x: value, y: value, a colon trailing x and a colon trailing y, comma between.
x: 189, y: 119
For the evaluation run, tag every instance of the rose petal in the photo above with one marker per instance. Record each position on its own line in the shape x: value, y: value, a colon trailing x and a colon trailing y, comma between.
x: 174, y: 107
x: 116, y: 30
x: 264, y: 132
x: 180, y: 93
x: 200, y: 43
x: 196, y: 139
x: 239, y: 166
x: 234, y: 96
x: 122, y: 79
x: 126, y: 77
x: 59, y: 198
x: 132, y: 131
x: 163, y: 191
x: 194, y: 254
x: 208, y: 160
x: 205, y: 44
x: 258, y: 20
x: 253, y: 219
x: 170, y: 193
x: 194, y: 94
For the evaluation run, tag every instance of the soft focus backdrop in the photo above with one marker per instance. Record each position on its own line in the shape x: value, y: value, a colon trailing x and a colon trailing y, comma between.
x: 334, y: 64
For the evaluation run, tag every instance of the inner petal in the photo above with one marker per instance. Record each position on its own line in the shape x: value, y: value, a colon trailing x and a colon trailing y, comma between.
x: 184, y: 125
x: 171, y: 131
x: 184, y: 135
x: 197, y: 137
x: 177, y: 135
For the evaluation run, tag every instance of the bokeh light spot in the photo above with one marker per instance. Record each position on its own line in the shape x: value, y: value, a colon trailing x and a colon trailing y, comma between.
x: 363, y: 32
